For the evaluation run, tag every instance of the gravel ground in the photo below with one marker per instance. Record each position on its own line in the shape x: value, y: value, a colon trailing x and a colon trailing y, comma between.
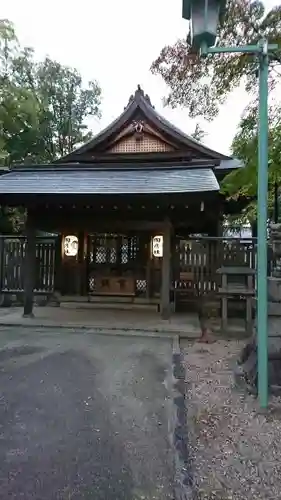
x: 235, y: 448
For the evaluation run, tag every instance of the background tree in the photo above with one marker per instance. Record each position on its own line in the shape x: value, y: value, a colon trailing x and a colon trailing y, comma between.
x: 43, y: 105
x: 43, y: 108
x: 243, y: 182
x: 62, y: 106
x: 203, y: 84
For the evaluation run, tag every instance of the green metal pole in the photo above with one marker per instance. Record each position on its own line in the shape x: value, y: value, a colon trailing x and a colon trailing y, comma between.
x: 262, y: 229
x: 261, y: 50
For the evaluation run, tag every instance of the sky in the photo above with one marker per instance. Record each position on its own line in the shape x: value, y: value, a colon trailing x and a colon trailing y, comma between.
x: 115, y: 43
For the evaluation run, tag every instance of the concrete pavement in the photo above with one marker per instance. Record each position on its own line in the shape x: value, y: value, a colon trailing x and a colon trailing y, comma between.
x: 185, y: 325
x: 85, y: 416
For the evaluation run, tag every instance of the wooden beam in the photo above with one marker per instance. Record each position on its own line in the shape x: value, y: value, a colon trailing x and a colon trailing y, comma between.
x: 116, y: 159
x: 69, y: 200
x: 29, y: 267
x: 91, y: 223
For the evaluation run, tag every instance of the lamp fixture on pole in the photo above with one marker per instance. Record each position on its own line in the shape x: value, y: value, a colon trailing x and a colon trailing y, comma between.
x: 205, y: 16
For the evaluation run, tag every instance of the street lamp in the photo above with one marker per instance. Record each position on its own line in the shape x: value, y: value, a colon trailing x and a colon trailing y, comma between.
x: 205, y: 17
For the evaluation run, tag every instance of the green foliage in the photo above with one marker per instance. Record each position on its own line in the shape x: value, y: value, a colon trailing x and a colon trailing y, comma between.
x: 202, y: 85
x: 243, y: 182
x: 43, y: 109
x: 61, y: 105
x: 43, y: 105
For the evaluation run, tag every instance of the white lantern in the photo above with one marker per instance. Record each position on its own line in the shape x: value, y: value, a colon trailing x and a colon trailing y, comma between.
x: 70, y: 246
x: 157, y: 246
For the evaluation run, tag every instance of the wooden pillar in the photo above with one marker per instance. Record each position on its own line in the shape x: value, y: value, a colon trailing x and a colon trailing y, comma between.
x: 58, y: 264
x: 29, y: 267
x: 215, y: 226
x: 2, y: 241
x: 148, y: 266
x: 166, y: 272
x: 148, y: 278
x: 81, y: 267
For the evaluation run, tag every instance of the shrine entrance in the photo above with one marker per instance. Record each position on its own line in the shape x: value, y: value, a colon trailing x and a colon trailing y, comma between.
x: 118, y: 203
x: 113, y: 264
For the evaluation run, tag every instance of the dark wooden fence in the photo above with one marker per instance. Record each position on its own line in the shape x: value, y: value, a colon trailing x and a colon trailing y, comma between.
x: 12, y: 254
x: 201, y: 258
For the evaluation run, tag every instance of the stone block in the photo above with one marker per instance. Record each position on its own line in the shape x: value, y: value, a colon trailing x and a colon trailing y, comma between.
x: 274, y: 326
x: 274, y: 289
x: 274, y: 309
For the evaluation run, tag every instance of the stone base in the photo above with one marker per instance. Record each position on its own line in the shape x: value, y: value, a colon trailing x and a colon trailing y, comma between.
x: 274, y: 309
x: 247, y: 369
x: 274, y: 289
x: 55, y: 299
x: 30, y: 315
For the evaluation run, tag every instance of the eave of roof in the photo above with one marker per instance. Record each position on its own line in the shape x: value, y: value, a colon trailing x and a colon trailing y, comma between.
x: 118, y: 166
x: 219, y: 166
x: 108, y: 182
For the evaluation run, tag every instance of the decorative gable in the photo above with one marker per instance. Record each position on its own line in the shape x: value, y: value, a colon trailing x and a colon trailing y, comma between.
x: 147, y: 144
x: 140, y: 129
x: 139, y: 137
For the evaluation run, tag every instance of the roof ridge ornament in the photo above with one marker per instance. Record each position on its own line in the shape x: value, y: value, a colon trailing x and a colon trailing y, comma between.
x: 139, y: 91
x: 137, y: 95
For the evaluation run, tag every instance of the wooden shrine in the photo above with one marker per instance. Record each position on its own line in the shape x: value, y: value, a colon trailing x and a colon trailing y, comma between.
x: 121, y: 206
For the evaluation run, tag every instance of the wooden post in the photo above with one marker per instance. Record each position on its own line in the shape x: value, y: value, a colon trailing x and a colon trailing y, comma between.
x: 220, y: 226
x: 148, y: 278
x: 166, y: 272
x: 224, y: 311
x: 249, y: 304
x: 30, y: 267
x: 81, y: 267
x: 2, y: 242
x: 58, y: 271
x: 148, y: 266
x: 58, y: 264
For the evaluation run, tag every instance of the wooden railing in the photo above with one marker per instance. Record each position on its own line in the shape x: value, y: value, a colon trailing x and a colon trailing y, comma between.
x: 12, y: 254
x: 203, y: 256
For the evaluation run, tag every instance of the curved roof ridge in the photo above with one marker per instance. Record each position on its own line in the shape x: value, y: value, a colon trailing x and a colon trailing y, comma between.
x: 140, y: 100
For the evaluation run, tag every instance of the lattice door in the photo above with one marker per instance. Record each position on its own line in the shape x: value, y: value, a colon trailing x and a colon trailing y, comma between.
x: 112, y: 254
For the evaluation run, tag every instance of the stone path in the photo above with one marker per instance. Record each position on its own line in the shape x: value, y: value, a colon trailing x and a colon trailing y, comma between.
x: 116, y: 320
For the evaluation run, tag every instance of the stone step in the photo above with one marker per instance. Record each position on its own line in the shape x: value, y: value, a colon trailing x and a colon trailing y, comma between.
x: 110, y: 305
